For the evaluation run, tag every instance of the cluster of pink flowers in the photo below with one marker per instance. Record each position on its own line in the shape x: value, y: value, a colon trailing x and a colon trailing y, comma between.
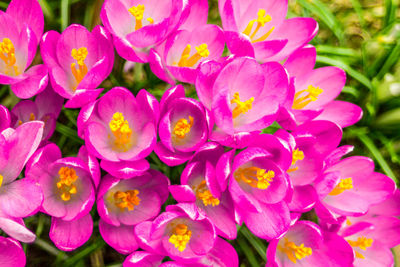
x: 233, y: 172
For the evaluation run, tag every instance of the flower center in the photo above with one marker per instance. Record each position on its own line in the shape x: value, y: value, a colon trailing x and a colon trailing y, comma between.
x: 65, y: 185
x: 304, y: 97
x: 182, y: 127
x: 137, y: 12
x: 31, y: 118
x: 362, y: 243
x: 7, y: 54
x: 128, y: 199
x: 180, y: 237
x: 343, y: 185
x: 262, y: 18
x: 189, y: 61
x: 241, y: 107
x: 79, y: 72
x: 204, y: 194
x: 294, y: 252
x: 297, y: 154
x: 121, y: 131
x: 1, y: 179
x: 255, y: 177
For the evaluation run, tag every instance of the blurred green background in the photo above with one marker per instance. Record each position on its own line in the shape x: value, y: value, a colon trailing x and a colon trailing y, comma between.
x: 360, y: 36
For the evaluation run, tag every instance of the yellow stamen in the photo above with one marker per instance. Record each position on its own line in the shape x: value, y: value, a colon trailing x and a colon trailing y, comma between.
x: 187, y: 61
x: 241, y: 107
x: 362, y: 243
x: 302, y: 101
x: 121, y: 131
x: 79, y: 72
x: 294, y: 252
x: 297, y: 154
x: 66, y: 184
x: 138, y: 12
x: 180, y: 237
x: 182, y: 127
x: 7, y: 54
x: 204, y: 194
x: 150, y: 20
x: 128, y: 199
x: 31, y: 118
x: 262, y: 19
x: 343, y: 185
x: 1, y: 179
x: 255, y: 177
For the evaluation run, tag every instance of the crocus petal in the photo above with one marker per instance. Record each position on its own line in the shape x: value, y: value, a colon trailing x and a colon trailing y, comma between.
x: 304, y: 198
x: 342, y: 113
x: 36, y: 81
x: 11, y: 253
x: 82, y: 97
x: 125, y: 169
x: 239, y: 44
x: 142, y: 258
x: 5, y: 118
x: 27, y: 12
x: 16, y: 230
x: 121, y: 238
x: 301, y: 62
x: 69, y: 235
x: 21, y: 198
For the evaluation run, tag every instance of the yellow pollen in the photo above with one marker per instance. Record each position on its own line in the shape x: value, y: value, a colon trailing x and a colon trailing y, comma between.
x: 182, y: 127
x: 306, y: 96
x: 262, y: 18
x: 137, y: 12
x: 294, y: 252
x: 255, y: 177
x: 121, y: 131
x: 180, y: 237
x: 189, y: 61
x: 343, y: 185
x: 1, y: 179
x: 203, y: 193
x: 241, y: 107
x: 362, y: 243
x: 7, y: 54
x: 31, y: 118
x: 128, y: 199
x: 297, y: 154
x: 79, y: 72
x: 66, y: 184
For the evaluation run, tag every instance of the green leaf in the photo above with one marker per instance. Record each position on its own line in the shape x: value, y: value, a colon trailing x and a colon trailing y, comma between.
x: 257, y: 244
x: 68, y: 132
x: 64, y: 14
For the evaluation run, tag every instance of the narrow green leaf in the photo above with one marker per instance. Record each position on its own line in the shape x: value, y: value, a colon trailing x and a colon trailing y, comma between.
x: 337, y: 51
x: 257, y: 244
x: 85, y: 252
x: 47, y: 10
x: 377, y: 155
x: 64, y: 14
x: 352, y: 72
x: 50, y: 249
x: 68, y: 132
x: 248, y: 252
x: 391, y: 60
x: 390, y: 11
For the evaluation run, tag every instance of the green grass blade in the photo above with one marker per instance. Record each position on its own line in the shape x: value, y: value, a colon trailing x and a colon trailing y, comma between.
x: 64, y: 14
x: 68, y: 132
x: 390, y: 11
x: 377, y: 155
x: 248, y: 252
x: 352, y: 72
x: 257, y: 244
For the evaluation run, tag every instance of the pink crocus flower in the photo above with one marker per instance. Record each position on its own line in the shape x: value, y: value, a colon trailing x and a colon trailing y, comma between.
x: 259, y: 29
x: 183, y: 127
x: 184, y: 51
x: 69, y: 194
x: 46, y: 107
x: 124, y: 203
x: 306, y: 245
x: 180, y: 233
x: 349, y: 187
x: 259, y: 188
x: 309, y: 145
x: 312, y: 93
x: 11, y: 253
x: 137, y: 26
x: 372, y: 238
x: 120, y: 129
x: 239, y: 106
x: 21, y: 29
x: 22, y: 197
x: 78, y: 61
x: 200, y: 186
x: 143, y: 258
x: 5, y: 118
